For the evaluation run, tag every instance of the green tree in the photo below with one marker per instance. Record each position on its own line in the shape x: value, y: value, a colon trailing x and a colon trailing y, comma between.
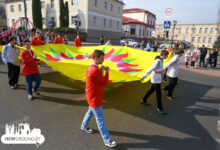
x: 66, y: 14
x: 62, y: 14
x: 36, y: 13
x: 217, y: 43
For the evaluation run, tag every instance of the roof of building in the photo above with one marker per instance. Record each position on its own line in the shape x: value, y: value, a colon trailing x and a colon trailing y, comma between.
x: 127, y: 20
x: 136, y: 10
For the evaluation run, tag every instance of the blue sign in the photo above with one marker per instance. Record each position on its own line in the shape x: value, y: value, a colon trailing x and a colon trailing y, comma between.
x: 167, y: 24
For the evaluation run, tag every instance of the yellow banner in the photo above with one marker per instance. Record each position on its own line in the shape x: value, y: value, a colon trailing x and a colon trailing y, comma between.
x: 126, y: 64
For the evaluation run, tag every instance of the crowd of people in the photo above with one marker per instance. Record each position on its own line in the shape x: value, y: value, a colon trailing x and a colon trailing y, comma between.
x: 201, y: 57
x: 39, y: 38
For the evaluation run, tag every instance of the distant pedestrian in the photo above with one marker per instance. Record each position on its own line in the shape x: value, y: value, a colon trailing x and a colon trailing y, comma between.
x: 30, y: 70
x: 142, y: 44
x: 102, y: 40
x: 194, y: 59
x: 197, y: 51
x: 155, y: 47
x: 78, y: 42
x: 187, y: 57
x: 207, y: 58
x: 203, y: 52
x: 10, y: 57
x: 37, y: 41
x: 66, y: 39
x: 148, y: 48
x: 215, y: 58
x: 95, y: 82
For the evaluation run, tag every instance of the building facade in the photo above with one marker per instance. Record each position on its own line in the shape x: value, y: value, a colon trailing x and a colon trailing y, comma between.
x: 196, y: 34
x: 95, y: 17
x: 138, y: 24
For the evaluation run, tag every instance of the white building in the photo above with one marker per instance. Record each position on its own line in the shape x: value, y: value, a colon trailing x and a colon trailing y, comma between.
x: 138, y: 23
x: 197, y: 34
x: 96, y: 17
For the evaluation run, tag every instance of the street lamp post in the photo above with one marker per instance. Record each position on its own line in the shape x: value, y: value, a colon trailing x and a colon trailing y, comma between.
x: 174, y: 26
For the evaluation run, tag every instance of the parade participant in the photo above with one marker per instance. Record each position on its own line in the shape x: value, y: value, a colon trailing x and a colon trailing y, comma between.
x: 172, y: 73
x: 194, y: 59
x: 52, y: 37
x: 187, y: 57
x: 78, y: 41
x: 66, y: 39
x: 126, y: 44
x: 108, y: 43
x: 10, y: 57
x: 30, y: 70
x: 19, y: 38
x: 37, y: 41
x: 58, y: 39
x: 171, y: 53
x: 95, y: 83
x: 156, y: 79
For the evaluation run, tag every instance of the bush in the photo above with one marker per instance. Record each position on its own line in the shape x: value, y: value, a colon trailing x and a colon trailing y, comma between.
x: 60, y: 30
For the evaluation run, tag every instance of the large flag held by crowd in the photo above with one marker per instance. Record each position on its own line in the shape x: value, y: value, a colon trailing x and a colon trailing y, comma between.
x: 126, y: 64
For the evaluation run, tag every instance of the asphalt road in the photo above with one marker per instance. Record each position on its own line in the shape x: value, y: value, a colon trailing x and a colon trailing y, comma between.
x: 191, y: 123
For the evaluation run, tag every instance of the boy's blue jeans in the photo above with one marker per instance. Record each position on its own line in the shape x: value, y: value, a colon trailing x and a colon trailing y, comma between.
x: 100, y: 120
x: 29, y: 79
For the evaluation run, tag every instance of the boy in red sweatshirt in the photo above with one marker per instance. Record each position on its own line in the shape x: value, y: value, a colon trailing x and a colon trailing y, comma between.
x: 30, y: 70
x: 95, y: 83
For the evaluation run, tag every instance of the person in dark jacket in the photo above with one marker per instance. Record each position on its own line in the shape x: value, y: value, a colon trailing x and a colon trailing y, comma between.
x: 203, y: 52
x: 215, y: 57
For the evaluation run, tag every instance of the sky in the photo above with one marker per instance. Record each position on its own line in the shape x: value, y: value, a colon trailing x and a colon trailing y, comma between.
x: 184, y: 11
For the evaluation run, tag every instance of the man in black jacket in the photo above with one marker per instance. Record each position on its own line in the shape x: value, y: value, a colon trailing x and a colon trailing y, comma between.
x: 203, y: 52
x: 215, y: 57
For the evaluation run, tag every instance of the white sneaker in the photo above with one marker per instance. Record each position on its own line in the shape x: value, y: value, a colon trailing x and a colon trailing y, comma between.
x: 30, y: 97
x: 87, y: 130
x: 110, y: 143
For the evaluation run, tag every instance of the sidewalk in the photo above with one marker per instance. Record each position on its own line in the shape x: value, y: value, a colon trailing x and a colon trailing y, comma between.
x: 206, y: 71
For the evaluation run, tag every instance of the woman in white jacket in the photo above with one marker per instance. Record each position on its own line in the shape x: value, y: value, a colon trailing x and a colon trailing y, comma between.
x: 172, y: 73
x: 156, y: 78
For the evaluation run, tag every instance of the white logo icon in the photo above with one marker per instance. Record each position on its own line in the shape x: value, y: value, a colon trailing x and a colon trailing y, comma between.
x: 22, y: 134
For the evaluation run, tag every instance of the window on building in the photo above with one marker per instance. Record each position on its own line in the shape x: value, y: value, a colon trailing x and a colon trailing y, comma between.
x: 200, y: 30
x: 204, y: 40
x: 206, y: 30
x: 42, y: 4
x: 118, y: 25
x: 139, y: 32
x: 180, y: 30
x: 73, y: 19
x: 111, y: 8
x: 95, y: 3
x: 12, y: 8
x: 13, y: 21
x: 104, y: 22
x: 199, y: 39
x: 193, y: 39
x: 210, y: 40
x: 194, y: 30
x: 211, y: 31
x: 119, y: 10
x: 110, y: 24
x: 74, y: 2
x: 150, y: 33
x: 19, y: 7
x: 143, y: 32
x: 52, y: 3
x: 218, y: 30
x: 105, y: 5
x: 187, y: 30
x: 94, y: 21
x: 147, y: 33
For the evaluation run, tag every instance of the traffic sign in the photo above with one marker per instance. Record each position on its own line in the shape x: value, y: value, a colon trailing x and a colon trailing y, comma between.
x: 168, y: 12
x: 167, y: 24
